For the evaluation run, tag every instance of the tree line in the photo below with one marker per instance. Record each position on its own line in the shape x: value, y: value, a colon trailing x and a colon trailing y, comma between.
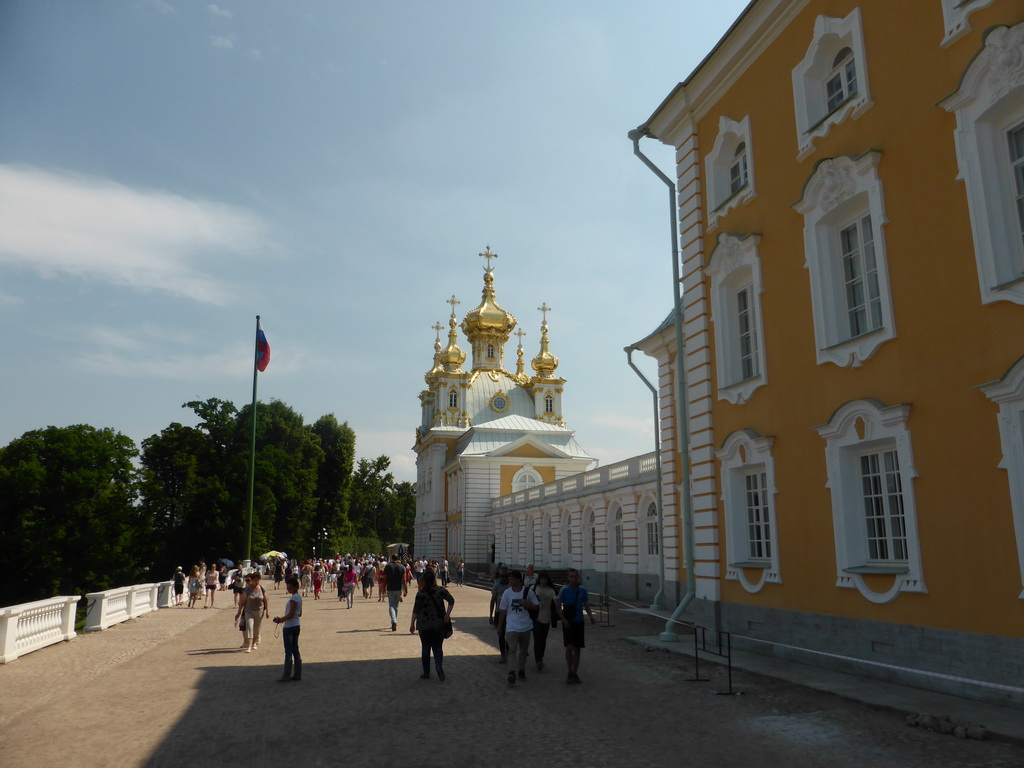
x: 84, y: 509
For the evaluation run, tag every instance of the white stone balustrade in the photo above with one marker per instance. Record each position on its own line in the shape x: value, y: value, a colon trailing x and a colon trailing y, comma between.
x: 635, y: 470
x: 30, y: 626
x: 116, y: 605
x: 165, y: 594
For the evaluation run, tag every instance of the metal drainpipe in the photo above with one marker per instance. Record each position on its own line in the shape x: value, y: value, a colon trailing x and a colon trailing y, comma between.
x: 656, y: 605
x: 683, y: 422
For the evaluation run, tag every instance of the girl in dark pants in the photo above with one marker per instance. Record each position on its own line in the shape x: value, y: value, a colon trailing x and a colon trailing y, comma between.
x: 290, y: 620
x: 549, y: 612
x: 428, y: 612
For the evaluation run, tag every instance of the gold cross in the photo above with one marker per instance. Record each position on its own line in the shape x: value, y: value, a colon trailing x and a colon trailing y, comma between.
x: 545, y: 309
x: 488, y: 255
x: 520, y: 333
x: 438, y: 328
x: 453, y: 301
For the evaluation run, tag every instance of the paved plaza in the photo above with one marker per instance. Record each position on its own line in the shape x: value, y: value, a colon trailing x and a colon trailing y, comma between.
x: 171, y: 689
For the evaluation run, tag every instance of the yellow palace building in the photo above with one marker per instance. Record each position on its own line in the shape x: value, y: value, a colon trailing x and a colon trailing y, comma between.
x: 850, y: 184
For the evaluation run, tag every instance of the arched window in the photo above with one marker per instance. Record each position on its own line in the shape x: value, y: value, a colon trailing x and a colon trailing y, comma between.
x: 549, y: 404
x: 652, y: 529
x: 593, y: 535
x: 490, y: 351
x: 618, y: 532
x: 525, y: 478
x: 841, y: 83
x: 453, y: 398
x: 738, y: 171
x: 830, y: 84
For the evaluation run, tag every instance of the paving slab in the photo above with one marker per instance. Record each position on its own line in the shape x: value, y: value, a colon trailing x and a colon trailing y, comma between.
x: 172, y: 688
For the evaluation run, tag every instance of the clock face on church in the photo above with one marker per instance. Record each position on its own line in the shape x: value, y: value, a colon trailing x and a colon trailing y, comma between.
x: 499, y: 403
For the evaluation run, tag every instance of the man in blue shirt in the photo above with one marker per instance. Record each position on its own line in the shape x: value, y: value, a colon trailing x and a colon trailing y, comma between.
x: 575, y: 601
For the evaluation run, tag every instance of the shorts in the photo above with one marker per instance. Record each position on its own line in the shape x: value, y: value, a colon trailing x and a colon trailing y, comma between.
x: 238, y: 590
x: 211, y: 587
x: 573, y: 635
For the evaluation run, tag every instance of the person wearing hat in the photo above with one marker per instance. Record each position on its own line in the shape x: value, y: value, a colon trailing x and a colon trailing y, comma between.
x: 179, y: 585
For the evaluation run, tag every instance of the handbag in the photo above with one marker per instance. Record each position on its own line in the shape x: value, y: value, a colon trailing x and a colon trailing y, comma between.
x: 449, y: 630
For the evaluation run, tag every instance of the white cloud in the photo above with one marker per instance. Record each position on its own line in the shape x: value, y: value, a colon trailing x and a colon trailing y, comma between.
x: 163, y: 7
x: 216, y: 10
x: 254, y: 54
x: 96, y: 229
x: 224, y: 43
x: 172, y: 353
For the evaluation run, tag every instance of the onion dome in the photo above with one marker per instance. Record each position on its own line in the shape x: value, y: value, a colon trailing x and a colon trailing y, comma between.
x: 488, y: 319
x: 433, y: 373
x: 544, y: 363
x: 451, y: 357
x: 520, y: 375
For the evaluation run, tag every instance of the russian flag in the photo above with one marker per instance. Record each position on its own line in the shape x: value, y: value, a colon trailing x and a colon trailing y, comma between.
x: 262, y: 348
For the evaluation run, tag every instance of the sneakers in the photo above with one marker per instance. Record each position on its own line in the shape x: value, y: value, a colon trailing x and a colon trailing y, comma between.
x: 440, y: 674
x: 511, y: 678
x: 522, y: 675
x: 394, y: 626
x: 540, y: 666
x: 574, y: 678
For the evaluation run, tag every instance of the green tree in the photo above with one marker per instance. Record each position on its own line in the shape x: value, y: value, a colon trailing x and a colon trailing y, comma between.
x: 404, y: 504
x: 338, y: 442
x: 67, y: 509
x: 288, y: 459
x: 192, y: 480
x: 370, y: 497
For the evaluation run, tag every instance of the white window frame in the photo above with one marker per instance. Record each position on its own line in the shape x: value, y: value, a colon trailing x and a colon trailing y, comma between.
x: 745, y: 452
x: 453, y: 399
x: 857, y: 428
x: 840, y: 191
x: 987, y: 105
x: 1008, y: 394
x: 734, y: 267
x: 718, y: 167
x: 619, y: 541
x: 813, y: 117
x: 653, y: 535
x: 525, y: 478
x: 955, y: 13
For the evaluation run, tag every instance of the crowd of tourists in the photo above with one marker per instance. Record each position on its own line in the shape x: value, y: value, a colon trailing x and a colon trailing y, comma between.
x: 524, y: 607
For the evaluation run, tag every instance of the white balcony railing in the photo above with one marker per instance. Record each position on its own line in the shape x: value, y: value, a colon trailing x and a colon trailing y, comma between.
x: 30, y: 626
x: 636, y: 470
x: 116, y: 605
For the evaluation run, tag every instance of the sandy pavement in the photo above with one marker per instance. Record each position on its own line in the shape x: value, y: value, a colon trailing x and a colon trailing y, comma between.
x: 172, y: 689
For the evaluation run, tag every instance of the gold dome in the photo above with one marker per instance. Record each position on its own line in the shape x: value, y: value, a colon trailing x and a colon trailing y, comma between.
x: 544, y: 363
x: 488, y: 319
x: 451, y: 357
x: 433, y: 373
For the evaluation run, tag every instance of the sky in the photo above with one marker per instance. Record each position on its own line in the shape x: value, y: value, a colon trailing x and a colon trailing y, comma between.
x: 169, y: 170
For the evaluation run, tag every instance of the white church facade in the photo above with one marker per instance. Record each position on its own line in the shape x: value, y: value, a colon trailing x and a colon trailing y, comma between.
x: 486, y: 431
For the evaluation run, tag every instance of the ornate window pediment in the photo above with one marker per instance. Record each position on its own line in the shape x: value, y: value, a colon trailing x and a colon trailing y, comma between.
x: 989, y: 109
x: 830, y: 84
x: 845, y: 257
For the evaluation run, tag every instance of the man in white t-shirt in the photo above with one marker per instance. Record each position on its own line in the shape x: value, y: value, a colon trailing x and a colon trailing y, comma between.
x: 517, y: 607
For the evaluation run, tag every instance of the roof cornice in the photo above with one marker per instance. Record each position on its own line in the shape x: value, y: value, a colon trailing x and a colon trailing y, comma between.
x: 754, y: 30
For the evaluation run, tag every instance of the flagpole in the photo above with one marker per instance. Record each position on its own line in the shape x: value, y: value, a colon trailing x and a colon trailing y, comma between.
x: 252, y: 444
